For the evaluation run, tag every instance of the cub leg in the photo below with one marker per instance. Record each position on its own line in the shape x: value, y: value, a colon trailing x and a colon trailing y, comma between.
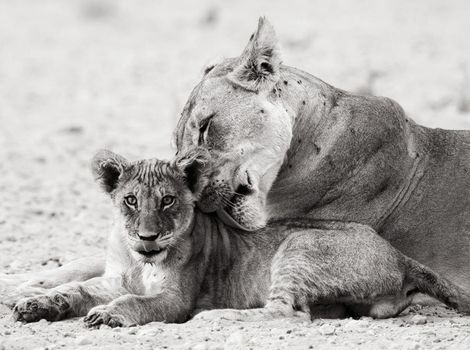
x: 69, y: 300
x: 127, y: 310
x: 293, y: 284
x: 17, y: 286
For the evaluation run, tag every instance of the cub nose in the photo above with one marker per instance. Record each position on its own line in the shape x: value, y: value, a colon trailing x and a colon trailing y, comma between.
x: 147, y: 236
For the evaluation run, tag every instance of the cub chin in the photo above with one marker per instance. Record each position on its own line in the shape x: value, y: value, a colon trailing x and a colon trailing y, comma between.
x: 167, y: 260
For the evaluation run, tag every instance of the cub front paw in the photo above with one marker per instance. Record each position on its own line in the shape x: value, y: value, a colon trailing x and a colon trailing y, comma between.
x: 49, y: 307
x: 106, y: 315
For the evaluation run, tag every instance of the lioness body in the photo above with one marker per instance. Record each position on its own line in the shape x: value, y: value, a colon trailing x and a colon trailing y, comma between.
x: 348, y: 157
x: 173, y: 259
x: 360, y: 158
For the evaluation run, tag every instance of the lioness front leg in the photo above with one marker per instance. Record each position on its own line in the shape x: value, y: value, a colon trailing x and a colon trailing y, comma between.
x: 69, y: 300
x: 18, y: 286
x: 132, y: 309
x: 272, y: 310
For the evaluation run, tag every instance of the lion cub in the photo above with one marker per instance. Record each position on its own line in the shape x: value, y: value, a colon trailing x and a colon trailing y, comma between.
x: 167, y: 260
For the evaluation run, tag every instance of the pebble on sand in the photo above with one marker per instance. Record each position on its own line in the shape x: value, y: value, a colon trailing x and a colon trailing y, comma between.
x: 236, y: 340
x: 327, y: 329
x: 132, y: 331
x: 83, y: 340
x: 418, y: 319
x: 356, y: 325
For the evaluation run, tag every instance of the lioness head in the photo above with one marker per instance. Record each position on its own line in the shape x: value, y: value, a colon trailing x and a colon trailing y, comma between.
x: 154, y: 199
x: 236, y: 114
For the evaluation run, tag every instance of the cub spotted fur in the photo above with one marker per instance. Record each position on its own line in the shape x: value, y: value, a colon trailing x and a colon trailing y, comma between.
x: 168, y: 260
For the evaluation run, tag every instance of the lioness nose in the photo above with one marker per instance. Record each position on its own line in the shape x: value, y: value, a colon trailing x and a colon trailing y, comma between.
x: 245, y: 184
x: 147, y: 236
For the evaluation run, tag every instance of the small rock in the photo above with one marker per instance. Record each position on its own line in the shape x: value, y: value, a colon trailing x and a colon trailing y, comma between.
x: 147, y: 333
x: 43, y: 322
x: 413, y: 346
x: 236, y: 340
x: 73, y: 129
x: 83, y: 340
x: 397, y: 321
x: 132, y: 330
x: 327, y: 329
x: 355, y: 325
x: 418, y: 320
x: 200, y: 346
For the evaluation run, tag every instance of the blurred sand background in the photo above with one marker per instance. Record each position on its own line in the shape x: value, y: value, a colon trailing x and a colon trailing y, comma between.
x: 80, y: 75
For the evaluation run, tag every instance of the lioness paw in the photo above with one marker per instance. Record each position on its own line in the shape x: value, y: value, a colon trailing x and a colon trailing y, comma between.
x: 250, y: 315
x: 215, y: 315
x: 104, y: 315
x: 49, y: 307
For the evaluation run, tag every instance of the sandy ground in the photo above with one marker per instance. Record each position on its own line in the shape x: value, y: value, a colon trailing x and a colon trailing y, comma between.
x: 76, y: 76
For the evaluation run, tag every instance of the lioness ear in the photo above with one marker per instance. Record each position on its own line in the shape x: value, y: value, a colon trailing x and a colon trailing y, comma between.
x: 107, y: 168
x: 210, y: 65
x: 259, y: 64
x: 194, y: 165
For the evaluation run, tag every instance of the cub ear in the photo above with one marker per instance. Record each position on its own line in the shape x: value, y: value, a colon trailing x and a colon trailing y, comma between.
x: 194, y: 164
x: 259, y: 64
x: 107, y: 168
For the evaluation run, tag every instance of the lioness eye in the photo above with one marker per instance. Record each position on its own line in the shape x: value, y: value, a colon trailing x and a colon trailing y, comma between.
x: 168, y: 201
x: 204, y: 129
x: 130, y: 200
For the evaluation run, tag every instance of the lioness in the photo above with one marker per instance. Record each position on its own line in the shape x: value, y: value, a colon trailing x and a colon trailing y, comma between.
x: 295, y: 146
x: 170, y: 259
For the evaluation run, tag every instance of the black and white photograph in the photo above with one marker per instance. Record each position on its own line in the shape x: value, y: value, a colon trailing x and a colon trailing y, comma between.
x: 234, y: 174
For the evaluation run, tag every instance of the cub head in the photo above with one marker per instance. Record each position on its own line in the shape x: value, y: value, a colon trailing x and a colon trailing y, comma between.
x: 235, y: 113
x: 154, y: 199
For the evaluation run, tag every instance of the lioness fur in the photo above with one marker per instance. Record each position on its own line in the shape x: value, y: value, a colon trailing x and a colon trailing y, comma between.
x: 174, y: 259
x: 295, y: 146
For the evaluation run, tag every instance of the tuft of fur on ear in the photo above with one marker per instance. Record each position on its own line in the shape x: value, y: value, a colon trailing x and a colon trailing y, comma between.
x: 107, y: 168
x: 195, y: 164
x: 259, y: 64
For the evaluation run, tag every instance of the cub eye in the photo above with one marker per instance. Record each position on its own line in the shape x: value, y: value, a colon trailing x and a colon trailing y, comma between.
x: 168, y: 201
x: 130, y: 200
